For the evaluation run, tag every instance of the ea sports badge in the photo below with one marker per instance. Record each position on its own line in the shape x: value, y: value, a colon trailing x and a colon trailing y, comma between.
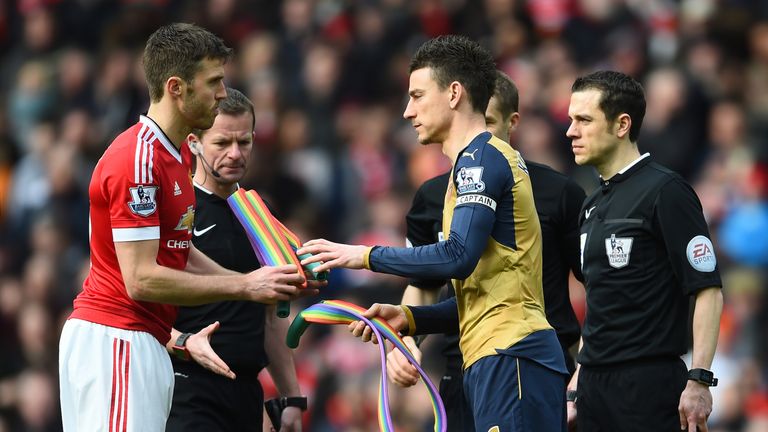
x: 701, y: 254
x: 144, y: 202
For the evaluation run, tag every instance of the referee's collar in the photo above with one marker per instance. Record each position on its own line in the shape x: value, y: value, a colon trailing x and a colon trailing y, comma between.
x: 629, y: 169
x: 208, y: 192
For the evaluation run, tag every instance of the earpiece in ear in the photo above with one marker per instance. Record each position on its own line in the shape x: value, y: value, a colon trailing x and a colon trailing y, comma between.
x: 194, y: 145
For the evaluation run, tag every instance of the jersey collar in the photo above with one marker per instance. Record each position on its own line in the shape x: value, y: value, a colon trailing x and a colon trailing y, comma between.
x: 629, y: 169
x: 208, y: 192
x: 160, y: 135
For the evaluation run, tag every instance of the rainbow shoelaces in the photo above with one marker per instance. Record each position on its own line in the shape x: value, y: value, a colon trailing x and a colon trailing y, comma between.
x: 341, y: 312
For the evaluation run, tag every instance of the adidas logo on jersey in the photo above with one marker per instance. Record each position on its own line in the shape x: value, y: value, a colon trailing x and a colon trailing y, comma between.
x: 176, y: 189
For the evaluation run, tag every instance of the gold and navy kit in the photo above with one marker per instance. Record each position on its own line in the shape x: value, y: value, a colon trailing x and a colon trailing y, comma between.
x: 558, y: 202
x: 514, y: 372
x: 492, y: 250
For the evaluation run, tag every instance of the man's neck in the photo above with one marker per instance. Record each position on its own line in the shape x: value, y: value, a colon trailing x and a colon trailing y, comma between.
x: 624, y: 154
x: 169, y: 121
x: 464, y: 128
x: 208, y: 182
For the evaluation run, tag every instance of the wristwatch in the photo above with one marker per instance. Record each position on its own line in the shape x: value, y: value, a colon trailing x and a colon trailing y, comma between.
x: 570, y: 396
x: 299, y: 402
x: 180, y: 346
x: 702, y: 376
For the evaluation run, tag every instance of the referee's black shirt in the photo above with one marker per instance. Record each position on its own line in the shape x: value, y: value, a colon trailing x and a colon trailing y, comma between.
x: 239, y: 341
x: 645, y: 249
x: 558, y: 201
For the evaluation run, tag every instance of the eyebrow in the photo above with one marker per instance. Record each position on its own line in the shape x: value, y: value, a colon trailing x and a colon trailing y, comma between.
x: 216, y: 77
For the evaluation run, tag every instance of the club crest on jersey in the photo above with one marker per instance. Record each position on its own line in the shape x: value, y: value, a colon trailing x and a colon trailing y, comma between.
x: 701, y: 254
x: 144, y: 202
x: 618, y: 250
x: 469, y: 180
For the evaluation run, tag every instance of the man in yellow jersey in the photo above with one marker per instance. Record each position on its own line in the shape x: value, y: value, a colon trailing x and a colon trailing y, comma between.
x: 514, y: 372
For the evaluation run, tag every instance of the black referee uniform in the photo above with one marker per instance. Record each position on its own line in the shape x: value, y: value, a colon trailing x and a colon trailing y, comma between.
x: 203, y: 400
x: 645, y: 250
x: 558, y: 201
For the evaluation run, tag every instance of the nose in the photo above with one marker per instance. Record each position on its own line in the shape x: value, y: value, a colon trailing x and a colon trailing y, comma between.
x: 221, y: 92
x: 571, y: 132
x: 234, y: 151
x: 409, y: 112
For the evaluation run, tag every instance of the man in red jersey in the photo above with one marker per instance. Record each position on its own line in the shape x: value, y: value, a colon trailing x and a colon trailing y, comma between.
x: 115, y: 373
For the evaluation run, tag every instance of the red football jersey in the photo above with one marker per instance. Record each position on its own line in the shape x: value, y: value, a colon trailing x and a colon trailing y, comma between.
x: 141, y: 189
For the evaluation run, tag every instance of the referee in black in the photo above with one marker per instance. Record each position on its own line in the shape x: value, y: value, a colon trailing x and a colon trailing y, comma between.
x: 645, y: 251
x: 558, y: 201
x: 250, y: 337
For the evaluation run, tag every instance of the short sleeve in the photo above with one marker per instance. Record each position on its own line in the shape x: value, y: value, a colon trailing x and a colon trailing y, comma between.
x: 133, y: 205
x: 678, y: 217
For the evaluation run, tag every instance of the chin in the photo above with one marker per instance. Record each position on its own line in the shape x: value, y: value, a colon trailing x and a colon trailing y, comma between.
x: 204, y: 124
x: 580, y: 160
x: 425, y: 140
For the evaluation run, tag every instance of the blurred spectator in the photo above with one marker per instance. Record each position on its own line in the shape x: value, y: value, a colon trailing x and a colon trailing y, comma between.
x: 672, y: 129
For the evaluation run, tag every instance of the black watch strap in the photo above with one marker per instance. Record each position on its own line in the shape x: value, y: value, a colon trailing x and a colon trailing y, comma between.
x: 570, y: 396
x: 180, y: 348
x: 702, y: 376
x: 295, y: 401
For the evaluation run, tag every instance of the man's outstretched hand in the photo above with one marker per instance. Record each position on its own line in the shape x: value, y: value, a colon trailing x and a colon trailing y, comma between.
x: 199, y: 347
x: 332, y: 255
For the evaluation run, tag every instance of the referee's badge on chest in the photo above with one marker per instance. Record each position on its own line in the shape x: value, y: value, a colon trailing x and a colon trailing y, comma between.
x: 618, y: 250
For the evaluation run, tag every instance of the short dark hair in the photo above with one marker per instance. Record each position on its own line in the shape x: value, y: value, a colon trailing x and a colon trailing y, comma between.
x: 619, y: 93
x: 507, y: 95
x: 458, y: 58
x: 177, y: 50
x: 235, y: 104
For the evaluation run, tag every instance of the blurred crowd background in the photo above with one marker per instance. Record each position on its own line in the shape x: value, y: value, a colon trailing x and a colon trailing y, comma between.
x: 334, y: 156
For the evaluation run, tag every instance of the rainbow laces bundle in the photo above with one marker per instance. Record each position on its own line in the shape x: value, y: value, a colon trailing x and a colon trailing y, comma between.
x: 273, y: 243
x: 341, y: 312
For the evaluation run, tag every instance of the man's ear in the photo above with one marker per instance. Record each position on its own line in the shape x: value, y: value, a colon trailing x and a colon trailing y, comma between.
x: 514, y: 120
x: 174, y: 86
x: 455, y: 93
x: 195, y: 146
x: 623, y: 124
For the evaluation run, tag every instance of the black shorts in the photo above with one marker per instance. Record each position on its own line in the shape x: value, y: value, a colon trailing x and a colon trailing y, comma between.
x: 204, y: 402
x: 641, y: 396
x: 452, y: 392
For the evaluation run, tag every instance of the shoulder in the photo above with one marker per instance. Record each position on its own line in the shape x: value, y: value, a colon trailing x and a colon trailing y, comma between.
x: 487, y: 151
x: 664, y: 180
x: 121, y: 152
x: 658, y: 174
x: 546, y: 175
